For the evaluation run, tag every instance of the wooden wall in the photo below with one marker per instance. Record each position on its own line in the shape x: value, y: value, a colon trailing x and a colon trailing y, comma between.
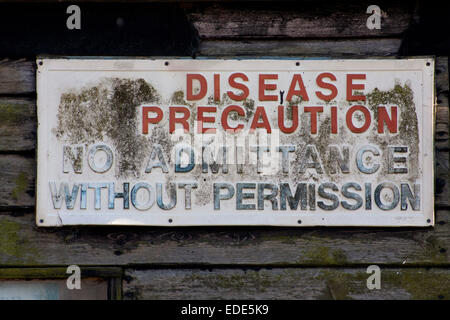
x: 241, y: 262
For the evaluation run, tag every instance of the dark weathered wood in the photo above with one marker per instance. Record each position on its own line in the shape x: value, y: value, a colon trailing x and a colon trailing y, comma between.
x: 442, y: 108
x: 441, y: 78
x: 55, y: 273
x: 305, y: 20
x: 328, y: 48
x: 442, y: 199
x: 441, y: 134
x: 23, y: 244
x: 17, y: 124
x: 306, y: 263
x: 17, y: 76
x: 314, y: 283
x: 17, y: 179
x: 442, y: 128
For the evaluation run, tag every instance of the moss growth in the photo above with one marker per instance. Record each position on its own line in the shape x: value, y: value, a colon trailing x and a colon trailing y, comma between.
x: 21, y: 183
x: 178, y: 98
x: 249, y: 106
x: 433, y: 251
x: 324, y: 255
x: 339, y: 284
x: 399, y: 95
x: 358, y: 93
x: 108, y: 112
x: 9, y: 113
x: 419, y: 283
x: 13, y: 248
x: 33, y: 273
x: 295, y: 101
x: 77, y: 162
x: 250, y: 279
x: 408, y: 132
x: 211, y: 100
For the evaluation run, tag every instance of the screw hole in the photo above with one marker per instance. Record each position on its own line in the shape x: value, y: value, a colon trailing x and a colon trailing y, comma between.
x: 41, y: 221
x: 41, y: 63
x: 428, y: 64
x: 170, y: 220
x: 166, y: 63
x: 297, y: 63
x: 299, y: 221
x: 428, y: 220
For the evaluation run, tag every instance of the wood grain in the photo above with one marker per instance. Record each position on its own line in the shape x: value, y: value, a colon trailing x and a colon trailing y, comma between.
x: 442, y: 128
x: 17, y: 180
x: 23, y: 244
x: 442, y: 174
x: 441, y: 79
x: 17, y: 76
x: 327, y: 20
x: 326, y: 48
x: 238, y: 262
x: 55, y: 273
x: 277, y: 283
x: 17, y: 124
x: 442, y: 107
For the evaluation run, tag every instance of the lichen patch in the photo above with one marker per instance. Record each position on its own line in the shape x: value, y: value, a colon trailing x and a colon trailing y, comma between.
x: 401, y: 96
x: 108, y: 111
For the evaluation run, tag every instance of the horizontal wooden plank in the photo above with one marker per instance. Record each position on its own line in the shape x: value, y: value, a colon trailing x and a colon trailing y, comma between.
x: 441, y: 78
x: 299, y: 20
x: 54, y: 273
x: 17, y: 124
x: 442, y: 109
x: 327, y: 48
x: 308, y: 283
x: 442, y: 128
x: 17, y: 181
x: 17, y: 76
x: 23, y: 244
x: 442, y: 174
x: 442, y: 142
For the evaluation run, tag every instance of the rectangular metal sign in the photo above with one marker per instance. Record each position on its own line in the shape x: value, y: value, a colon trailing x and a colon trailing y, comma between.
x: 277, y: 142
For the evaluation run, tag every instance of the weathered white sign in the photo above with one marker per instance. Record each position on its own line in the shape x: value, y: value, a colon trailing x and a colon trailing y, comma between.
x: 235, y: 142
